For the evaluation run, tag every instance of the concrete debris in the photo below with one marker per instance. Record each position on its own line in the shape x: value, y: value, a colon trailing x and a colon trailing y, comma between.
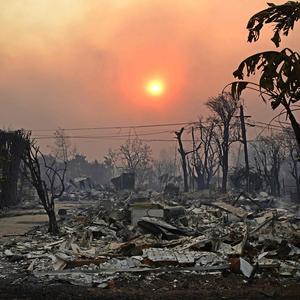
x: 246, y: 268
x: 139, y: 210
x: 236, y: 211
x: 169, y: 256
x: 80, y: 184
x: 160, y: 227
x: 127, y: 232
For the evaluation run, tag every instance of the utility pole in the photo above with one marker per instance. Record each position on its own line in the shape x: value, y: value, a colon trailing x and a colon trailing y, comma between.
x: 244, y: 141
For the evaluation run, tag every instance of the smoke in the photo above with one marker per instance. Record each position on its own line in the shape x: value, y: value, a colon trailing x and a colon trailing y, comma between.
x: 85, y: 63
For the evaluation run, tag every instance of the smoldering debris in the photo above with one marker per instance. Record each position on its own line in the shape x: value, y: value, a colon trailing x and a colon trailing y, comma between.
x: 127, y: 232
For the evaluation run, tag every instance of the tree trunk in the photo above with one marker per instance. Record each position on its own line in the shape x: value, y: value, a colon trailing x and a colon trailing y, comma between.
x: 275, y: 186
x: 52, y: 227
x: 14, y: 176
x: 225, y: 148
x: 183, y: 159
x: 298, y: 188
x: 225, y: 172
x: 278, y: 187
x: 224, y: 179
x: 21, y: 187
x: 294, y: 123
x: 272, y: 188
x: 185, y: 173
x: 207, y: 182
x: 297, y: 179
x: 200, y: 182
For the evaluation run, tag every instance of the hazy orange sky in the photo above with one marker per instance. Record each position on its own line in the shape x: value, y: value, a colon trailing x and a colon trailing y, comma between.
x: 85, y: 63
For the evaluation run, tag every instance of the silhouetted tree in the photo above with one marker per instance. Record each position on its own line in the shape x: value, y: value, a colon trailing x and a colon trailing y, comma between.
x: 269, y: 156
x: 184, y: 158
x: 239, y: 179
x: 183, y: 155
x: 134, y: 156
x: 63, y: 149
x: 48, y: 189
x: 111, y: 160
x: 165, y: 170
x: 279, y: 80
x: 224, y: 108
x: 293, y: 153
x: 205, y: 154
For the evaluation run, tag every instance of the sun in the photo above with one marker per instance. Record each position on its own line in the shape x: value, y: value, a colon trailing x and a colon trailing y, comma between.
x: 155, y: 87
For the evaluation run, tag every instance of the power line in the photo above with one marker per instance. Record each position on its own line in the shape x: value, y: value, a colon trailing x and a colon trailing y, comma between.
x: 138, y: 126
x: 161, y: 140
x: 88, y: 139
x: 116, y: 136
x: 266, y: 127
x: 102, y: 136
x: 116, y: 127
x: 270, y: 125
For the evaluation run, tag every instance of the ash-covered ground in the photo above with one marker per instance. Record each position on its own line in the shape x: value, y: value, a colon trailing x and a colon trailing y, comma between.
x: 144, y: 245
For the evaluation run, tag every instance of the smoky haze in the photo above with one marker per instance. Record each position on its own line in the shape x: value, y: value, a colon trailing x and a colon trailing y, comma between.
x: 85, y: 63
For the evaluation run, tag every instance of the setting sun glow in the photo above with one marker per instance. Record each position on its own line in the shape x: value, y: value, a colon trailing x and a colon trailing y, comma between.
x: 155, y: 87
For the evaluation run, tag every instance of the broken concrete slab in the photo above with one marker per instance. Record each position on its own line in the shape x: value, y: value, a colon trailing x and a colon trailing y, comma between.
x: 236, y: 211
x: 140, y: 210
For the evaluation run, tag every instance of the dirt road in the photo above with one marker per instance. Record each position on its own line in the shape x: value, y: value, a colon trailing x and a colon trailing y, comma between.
x: 20, y: 224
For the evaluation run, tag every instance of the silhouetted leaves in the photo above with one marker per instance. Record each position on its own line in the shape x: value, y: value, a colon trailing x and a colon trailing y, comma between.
x: 280, y: 70
x: 279, y: 75
x: 237, y: 88
x: 284, y: 16
x: 275, y: 103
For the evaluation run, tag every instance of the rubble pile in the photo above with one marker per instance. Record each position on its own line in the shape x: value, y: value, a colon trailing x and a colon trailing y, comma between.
x: 81, y: 188
x: 134, y: 234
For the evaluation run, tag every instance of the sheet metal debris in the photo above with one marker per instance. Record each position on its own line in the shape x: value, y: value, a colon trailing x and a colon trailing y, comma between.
x: 125, y: 233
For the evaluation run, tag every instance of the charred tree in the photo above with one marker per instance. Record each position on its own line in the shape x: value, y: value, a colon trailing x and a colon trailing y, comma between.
x: 293, y: 154
x: 198, y: 167
x: 224, y: 107
x: 268, y: 160
x: 184, y: 158
x: 244, y: 141
x: 183, y: 155
x: 50, y: 188
x: 204, y: 155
